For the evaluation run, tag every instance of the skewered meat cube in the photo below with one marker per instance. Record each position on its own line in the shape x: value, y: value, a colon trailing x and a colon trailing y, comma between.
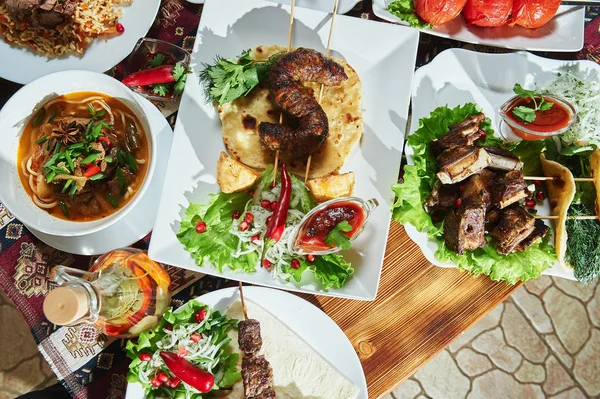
x: 538, y: 233
x: 515, y: 225
x: 464, y: 229
x: 509, y: 189
x: 503, y: 160
x: 257, y: 377
x: 249, y: 337
x: 442, y: 197
x: 456, y: 164
x: 460, y: 135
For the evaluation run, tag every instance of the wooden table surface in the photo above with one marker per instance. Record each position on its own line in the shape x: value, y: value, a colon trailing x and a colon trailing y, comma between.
x: 419, y: 310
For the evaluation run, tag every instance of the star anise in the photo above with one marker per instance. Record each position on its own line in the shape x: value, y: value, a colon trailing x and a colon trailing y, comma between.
x: 66, y: 132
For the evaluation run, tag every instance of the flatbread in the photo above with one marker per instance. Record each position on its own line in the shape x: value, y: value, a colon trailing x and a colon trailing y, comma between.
x: 342, y: 104
x: 298, y: 371
x: 595, y: 166
x: 561, y: 191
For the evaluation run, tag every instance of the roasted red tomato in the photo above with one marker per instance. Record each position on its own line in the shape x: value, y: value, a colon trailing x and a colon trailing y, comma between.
x: 533, y: 13
x: 438, y: 12
x: 487, y: 12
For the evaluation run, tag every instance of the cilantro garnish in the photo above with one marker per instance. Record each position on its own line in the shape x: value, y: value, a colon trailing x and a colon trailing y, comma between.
x: 156, y: 61
x: 337, y: 238
x: 160, y: 89
x: 527, y: 114
x: 180, y: 76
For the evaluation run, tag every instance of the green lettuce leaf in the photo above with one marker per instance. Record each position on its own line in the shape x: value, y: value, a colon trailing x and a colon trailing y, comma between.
x: 419, y: 180
x: 405, y: 10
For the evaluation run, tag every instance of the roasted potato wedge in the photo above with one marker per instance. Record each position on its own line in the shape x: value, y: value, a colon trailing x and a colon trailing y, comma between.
x: 333, y: 186
x: 234, y: 176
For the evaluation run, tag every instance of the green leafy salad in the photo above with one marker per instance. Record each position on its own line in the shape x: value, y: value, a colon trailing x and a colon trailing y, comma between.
x: 405, y: 10
x: 194, y: 335
x: 233, y: 235
x: 418, y: 183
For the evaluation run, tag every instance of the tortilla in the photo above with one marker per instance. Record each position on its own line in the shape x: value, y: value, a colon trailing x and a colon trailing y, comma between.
x: 342, y: 104
x: 595, y: 167
x: 561, y: 191
x: 298, y: 371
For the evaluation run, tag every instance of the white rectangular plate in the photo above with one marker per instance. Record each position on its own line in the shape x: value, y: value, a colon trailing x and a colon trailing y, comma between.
x: 385, y: 68
x: 563, y: 33
x: 456, y: 77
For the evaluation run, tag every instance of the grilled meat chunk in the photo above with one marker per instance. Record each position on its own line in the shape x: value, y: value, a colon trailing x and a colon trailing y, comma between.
x: 442, y: 197
x: 492, y: 216
x: 456, y: 164
x: 460, y: 135
x: 509, y: 189
x: 515, y: 226
x: 44, y: 13
x: 477, y: 189
x: 464, y: 229
x: 249, y: 337
x: 503, y: 160
x: 539, y: 231
x: 257, y: 376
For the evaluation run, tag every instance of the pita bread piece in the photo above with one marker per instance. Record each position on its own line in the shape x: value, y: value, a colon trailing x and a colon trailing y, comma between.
x: 561, y: 191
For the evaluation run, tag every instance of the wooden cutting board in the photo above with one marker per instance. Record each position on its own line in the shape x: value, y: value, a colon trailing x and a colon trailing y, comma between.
x: 418, y: 311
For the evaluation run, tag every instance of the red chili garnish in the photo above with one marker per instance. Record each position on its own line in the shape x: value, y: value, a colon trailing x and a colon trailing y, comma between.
x: 540, y: 195
x: 266, y: 204
x: 120, y: 28
x: 255, y: 238
x: 276, y: 225
x: 249, y: 218
x: 200, y: 227
x: 295, y: 264
x: 195, y: 337
x: 181, y: 351
x: 243, y: 225
x: 145, y: 357
x: 458, y: 203
x: 156, y: 383
x: 175, y: 382
x: 162, y: 377
x: 91, y: 171
x: 530, y: 204
x: 194, y: 376
x: 266, y: 263
x: 537, y: 183
x: 236, y: 215
x: 310, y: 258
x: 145, y: 77
x: 201, y: 315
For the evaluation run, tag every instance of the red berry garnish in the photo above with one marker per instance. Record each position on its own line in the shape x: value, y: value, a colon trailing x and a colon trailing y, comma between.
x: 249, y: 218
x: 120, y: 28
x: 295, y: 264
x: 310, y: 258
x: 255, y: 238
x: 266, y: 204
x: 145, y: 357
x: 201, y: 315
x: 162, y: 377
x: 458, y: 203
x: 200, y: 227
x: 540, y: 195
x: 266, y: 263
x: 244, y: 225
x: 156, y: 383
x: 195, y: 337
x: 530, y: 204
x: 174, y: 382
x: 236, y: 215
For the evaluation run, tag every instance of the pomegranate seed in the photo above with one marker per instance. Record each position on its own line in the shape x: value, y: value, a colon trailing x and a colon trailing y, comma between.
x: 201, y: 315
x: 274, y: 205
x: 310, y: 258
x: 120, y: 28
x: 266, y: 204
x: 195, y: 337
x: 538, y: 183
x: 244, y: 225
x: 255, y: 238
x: 483, y: 134
x: 169, y: 327
x: 145, y: 357
x: 182, y: 352
x: 156, y: 383
x: 530, y: 204
x: 249, y: 218
x: 540, y: 195
x: 461, y: 187
x: 175, y: 382
x: 266, y: 263
x: 295, y: 264
x: 458, y: 203
x: 251, y: 192
x: 236, y: 215
x: 200, y: 227
x: 162, y: 377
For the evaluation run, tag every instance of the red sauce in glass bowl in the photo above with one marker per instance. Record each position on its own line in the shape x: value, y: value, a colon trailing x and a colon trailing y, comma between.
x: 314, y: 231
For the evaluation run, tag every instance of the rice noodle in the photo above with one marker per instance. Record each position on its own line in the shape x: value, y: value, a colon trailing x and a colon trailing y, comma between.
x: 42, y: 204
x: 28, y: 166
x: 140, y: 161
x: 128, y: 193
x: 122, y: 114
x: 64, y: 100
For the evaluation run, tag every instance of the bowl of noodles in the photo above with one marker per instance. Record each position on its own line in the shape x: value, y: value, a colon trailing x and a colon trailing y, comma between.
x: 78, y: 153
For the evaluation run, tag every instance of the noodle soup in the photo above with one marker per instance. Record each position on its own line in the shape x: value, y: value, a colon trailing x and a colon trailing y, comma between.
x: 83, y: 156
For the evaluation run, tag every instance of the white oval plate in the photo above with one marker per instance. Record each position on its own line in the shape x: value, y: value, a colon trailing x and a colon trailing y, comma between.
x: 563, y: 33
x: 300, y: 316
x: 458, y: 76
x: 22, y: 66
x: 139, y: 221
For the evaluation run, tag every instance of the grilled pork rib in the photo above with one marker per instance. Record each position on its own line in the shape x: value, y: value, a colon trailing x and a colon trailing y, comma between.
x: 509, y: 189
x: 456, y: 164
x: 515, y: 225
x: 464, y: 229
x: 460, y: 135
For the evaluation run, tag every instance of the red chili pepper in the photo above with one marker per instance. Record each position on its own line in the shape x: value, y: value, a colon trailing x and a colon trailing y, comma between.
x: 105, y: 140
x: 161, y: 74
x: 91, y: 171
x: 194, y: 376
x: 276, y: 225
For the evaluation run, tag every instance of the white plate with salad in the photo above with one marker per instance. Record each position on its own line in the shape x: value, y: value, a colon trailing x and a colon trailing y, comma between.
x: 563, y: 33
x: 457, y: 77
x: 218, y: 238
x: 286, y: 327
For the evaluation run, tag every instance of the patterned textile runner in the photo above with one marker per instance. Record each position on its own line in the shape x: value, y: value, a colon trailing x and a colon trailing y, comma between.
x: 88, y: 363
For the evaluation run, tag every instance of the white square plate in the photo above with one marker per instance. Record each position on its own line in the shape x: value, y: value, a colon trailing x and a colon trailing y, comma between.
x: 563, y: 33
x: 456, y: 77
x: 385, y: 68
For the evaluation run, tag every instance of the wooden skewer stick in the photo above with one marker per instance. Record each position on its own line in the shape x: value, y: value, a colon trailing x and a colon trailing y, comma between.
x: 552, y: 178
x: 289, y: 47
x: 327, y: 53
x: 243, y: 303
x: 568, y: 217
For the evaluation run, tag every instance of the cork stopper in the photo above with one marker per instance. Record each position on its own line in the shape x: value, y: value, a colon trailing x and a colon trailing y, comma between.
x: 66, y: 305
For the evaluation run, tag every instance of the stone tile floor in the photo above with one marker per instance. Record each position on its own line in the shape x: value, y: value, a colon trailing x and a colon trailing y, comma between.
x: 543, y: 342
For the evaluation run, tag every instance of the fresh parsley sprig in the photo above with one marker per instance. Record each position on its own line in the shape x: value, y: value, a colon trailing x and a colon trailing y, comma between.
x: 337, y: 238
x: 227, y: 79
x: 528, y: 114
